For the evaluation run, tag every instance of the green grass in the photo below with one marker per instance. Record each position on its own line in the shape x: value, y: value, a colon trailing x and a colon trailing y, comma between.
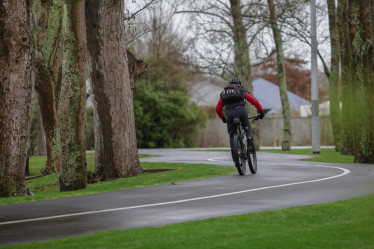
x: 37, y: 162
x: 327, y: 155
x: 343, y: 224
x: 47, y: 187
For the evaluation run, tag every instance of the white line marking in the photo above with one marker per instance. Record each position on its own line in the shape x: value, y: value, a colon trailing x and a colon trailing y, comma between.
x: 345, y: 172
x: 218, y: 159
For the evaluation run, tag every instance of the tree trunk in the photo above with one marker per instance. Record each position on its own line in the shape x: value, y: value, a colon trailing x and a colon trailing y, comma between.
x: 286, y: 135
x: 346, y: 79
x: 363, y: 81
x: 45, y: 87
x: 48, y: 29
x: 112, y: 89
x: 99, y: 146
x: 72, y: 100
x: 242, y: 65
x: 33, y: 134
x: 334, y: 76
x: 16, y: 84
x: 40, y: 140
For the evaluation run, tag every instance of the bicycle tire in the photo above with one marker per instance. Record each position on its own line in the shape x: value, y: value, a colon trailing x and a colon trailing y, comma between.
x: 234, y: 149
x: 240, y: 163
x: 252, y: 159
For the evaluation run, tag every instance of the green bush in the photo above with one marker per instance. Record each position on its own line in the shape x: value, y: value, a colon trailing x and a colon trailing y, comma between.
x: 164, y: 117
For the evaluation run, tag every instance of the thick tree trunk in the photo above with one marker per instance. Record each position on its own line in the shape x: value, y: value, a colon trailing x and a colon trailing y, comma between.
x: 363, y: 72
x: 242, y: 64
x: 48, y: 29
x: 334, y: 76
x: 112, y: 90
x: 345, y: 34
x: 286, y: 135
x: 45, y: 87
x: 136, y: 68
x: 72, y: 100
x: 16, y: 84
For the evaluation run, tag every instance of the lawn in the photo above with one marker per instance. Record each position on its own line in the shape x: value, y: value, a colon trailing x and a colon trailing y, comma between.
x: 326, y: 155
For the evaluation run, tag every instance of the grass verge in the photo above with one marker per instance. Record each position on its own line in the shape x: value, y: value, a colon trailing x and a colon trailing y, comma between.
x: 47, y: 187
x: 343, y: 224
x: 327, y: 155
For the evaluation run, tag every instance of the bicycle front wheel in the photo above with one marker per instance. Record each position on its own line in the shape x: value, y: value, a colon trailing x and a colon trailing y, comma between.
x: 252, y: 159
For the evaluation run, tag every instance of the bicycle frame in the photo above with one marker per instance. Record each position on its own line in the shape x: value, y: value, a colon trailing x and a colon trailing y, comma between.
x: 240, y: 153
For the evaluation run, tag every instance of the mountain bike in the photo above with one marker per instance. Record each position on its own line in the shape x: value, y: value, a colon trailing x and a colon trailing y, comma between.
x: 243, y: 150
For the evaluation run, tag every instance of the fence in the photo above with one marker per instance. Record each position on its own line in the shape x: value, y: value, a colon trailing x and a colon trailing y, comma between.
x: 215, y: 133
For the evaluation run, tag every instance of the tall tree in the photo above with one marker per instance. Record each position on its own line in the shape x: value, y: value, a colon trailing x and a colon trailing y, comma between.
x: 242, y: 65
x: 361, y: 26
x: 286, y: 135
x: 72, y: 100
x: 334, y: 76
x: 112, y: 90
x: 16, y: 84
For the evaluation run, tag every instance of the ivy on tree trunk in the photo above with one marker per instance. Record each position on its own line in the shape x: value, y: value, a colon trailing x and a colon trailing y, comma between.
x: 72, y: 100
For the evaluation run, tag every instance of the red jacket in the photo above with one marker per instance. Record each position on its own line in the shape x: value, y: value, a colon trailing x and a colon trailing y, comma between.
x: 248, y: 97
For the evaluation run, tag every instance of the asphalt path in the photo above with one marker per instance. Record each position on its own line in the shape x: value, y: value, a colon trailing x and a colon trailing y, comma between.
x: 281, y: 181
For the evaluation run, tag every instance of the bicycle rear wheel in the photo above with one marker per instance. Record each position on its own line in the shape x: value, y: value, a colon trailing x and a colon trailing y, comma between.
x: 252, y: 159
x: 239, y: 155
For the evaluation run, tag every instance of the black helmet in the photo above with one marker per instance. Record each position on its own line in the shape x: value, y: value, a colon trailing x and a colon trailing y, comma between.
x: 235, y: 81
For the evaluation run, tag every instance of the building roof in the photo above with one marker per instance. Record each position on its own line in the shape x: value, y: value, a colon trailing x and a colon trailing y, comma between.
x: 266, y: 92
x: 269, y: 96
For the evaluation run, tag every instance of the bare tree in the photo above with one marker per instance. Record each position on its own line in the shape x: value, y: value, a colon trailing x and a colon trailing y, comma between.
x: 16, y: 84
x: 286, y: 136
x: 224, y: 36
x: 117, y: 151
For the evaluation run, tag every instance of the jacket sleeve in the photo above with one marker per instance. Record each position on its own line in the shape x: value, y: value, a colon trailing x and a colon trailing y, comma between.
x: 219, y: 108
x: 253, y: 101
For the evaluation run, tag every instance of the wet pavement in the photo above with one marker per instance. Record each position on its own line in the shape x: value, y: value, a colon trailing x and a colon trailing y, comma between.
x: 281, y: 181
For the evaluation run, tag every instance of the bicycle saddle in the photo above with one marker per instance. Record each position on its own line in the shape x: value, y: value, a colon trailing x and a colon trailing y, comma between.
x: 236, y: 120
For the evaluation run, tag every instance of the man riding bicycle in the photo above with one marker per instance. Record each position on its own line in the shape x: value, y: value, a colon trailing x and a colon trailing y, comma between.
x: 233, y: 99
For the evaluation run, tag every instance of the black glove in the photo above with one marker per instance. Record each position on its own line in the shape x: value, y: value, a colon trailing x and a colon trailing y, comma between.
x: 224, y: 120
x: 261, y: 115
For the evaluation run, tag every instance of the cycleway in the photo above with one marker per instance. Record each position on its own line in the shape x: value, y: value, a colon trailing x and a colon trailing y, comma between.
x: 281, y: 181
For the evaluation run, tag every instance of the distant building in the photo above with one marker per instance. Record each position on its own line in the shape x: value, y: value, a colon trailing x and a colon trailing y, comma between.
x: 267, y: 93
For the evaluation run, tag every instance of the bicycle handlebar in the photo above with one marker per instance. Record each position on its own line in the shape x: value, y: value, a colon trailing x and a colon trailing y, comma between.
x: 257, y: 117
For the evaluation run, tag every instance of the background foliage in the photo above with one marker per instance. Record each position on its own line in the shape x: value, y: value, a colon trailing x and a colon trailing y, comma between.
x: 164, y: 116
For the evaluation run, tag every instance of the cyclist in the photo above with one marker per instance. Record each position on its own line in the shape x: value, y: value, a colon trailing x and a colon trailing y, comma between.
x: 233, y: 99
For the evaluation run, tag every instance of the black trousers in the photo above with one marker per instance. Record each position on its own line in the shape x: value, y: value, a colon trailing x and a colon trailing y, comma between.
x: 240, y: 112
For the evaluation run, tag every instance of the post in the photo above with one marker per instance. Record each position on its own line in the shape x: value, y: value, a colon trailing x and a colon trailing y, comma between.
x: 315, y: 102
